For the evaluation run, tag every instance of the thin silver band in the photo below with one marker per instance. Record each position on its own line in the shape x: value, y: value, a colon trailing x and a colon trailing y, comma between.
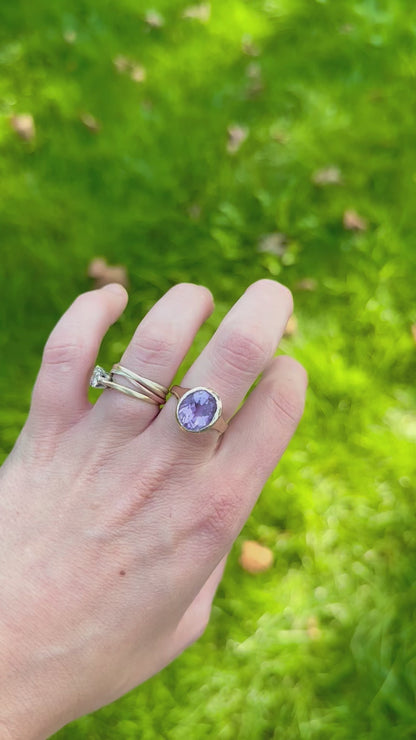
x: 147, y: 390
x: 156, y: 389
x: 132, y: 393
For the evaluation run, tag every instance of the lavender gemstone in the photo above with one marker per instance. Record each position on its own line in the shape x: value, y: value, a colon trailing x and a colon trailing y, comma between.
x: 197, y: 410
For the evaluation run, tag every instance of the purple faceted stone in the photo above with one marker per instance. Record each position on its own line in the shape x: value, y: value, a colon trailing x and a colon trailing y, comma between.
x: 197, y: 410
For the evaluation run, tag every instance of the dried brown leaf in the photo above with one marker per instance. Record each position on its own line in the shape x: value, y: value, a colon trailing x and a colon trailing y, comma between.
x: 103, y: 273
x: 253, y: 71
x: 70, y: 36
x: 236, y: 137
x: 308, y: 284
x: 413, y: 330
x: 121, y: 63
x: 254, y: 74
x: 249, y: 47
x: 90, y: 122
x: 201, y: 12
x: 354, y: 222
x: 327, y: 176
x: 279, y: 135
x: 24, y: 126
x: 312, y: 629
x: 255, y: 558
x: 138, y: 73
x: 275, y: 243
x: 97, y: 267
x: 154, y: 19
x: 194, y: 212
x: 291, y: 327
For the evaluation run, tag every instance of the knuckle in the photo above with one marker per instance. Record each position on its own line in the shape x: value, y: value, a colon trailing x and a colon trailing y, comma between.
x: 156, y: 346
x: 219, y: 517
x: 62, y: 353
x: 244, y: 352
x: 288, y: 403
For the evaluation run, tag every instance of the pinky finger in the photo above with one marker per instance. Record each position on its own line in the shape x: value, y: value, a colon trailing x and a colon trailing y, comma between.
x: 260, y: 432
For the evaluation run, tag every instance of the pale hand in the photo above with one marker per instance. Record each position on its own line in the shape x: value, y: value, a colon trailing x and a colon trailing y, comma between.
x: 114, y: 522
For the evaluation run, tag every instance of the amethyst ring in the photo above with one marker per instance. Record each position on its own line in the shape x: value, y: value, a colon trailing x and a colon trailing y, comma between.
x: 198, y: 409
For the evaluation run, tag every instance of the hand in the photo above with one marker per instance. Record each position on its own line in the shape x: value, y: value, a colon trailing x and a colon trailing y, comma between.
x: 115, y: 523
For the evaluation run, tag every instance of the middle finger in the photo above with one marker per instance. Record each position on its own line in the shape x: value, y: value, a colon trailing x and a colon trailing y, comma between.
x: 158, y: 347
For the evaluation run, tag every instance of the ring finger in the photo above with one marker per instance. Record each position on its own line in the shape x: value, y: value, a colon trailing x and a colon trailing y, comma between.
x: 234, y: 358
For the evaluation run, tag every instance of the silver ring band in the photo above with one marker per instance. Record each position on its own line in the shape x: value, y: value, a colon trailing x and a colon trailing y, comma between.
x: 156, y: 389
x: 101, y: 379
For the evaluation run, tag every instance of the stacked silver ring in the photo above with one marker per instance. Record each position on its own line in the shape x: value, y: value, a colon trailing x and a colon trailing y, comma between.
x: 141, y: 388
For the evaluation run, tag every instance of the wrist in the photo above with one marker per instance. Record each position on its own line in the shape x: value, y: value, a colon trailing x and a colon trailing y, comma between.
x: 33, y: 700
x: 30, y: 707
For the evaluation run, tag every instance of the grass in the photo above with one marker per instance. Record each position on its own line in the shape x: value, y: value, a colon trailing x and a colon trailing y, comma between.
x: 323, y: 645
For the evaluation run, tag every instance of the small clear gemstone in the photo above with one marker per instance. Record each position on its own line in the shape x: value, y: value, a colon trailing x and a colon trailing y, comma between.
x: 197, y: 410
x: 99, y: 374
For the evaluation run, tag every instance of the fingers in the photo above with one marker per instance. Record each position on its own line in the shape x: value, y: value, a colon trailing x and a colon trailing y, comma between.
x: 261, y: 431
x: 236, y: 355
x: 234, y: 476
x: 158, y: 347
x: 60, y: 392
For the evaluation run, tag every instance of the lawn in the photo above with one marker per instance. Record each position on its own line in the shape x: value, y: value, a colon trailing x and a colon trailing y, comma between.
x: 176, y: 146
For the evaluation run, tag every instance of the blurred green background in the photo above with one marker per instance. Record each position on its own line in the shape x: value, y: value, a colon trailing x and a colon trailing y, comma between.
x: 271, y: 138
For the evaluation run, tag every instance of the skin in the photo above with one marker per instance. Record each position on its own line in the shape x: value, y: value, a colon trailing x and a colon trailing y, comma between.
x: 115, y: 523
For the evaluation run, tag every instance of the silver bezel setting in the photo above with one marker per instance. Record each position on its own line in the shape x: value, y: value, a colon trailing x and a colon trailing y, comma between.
x: 216, y: 416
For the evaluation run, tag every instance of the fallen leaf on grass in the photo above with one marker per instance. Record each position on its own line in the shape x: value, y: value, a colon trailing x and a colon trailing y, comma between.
x: 255, y: 558
x: 277, y: 134
x: 327, y: 176
x: 70, y: 37
x: 249, y: 47
x: 308, y: 284
x: 253, y: 71
x: 138, y: 73
x: 236, y: 137
x: 125, y: 66
x: 121, y: 63
x: 312, y: 629
x: 354, y: 222
x: 346, y: 28
x: 273, y: 244
x: 413, y: 330
x: 154, y: 19
x: 194, y: 212
x: 24, y: 126
x: 201, y: 12
x: 103, y: 273
x: 90, y: 122
x: 291, y: 327
x: 254, y: 74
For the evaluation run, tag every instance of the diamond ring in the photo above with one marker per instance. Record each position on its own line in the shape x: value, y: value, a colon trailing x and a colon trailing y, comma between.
x: 141, y: 388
